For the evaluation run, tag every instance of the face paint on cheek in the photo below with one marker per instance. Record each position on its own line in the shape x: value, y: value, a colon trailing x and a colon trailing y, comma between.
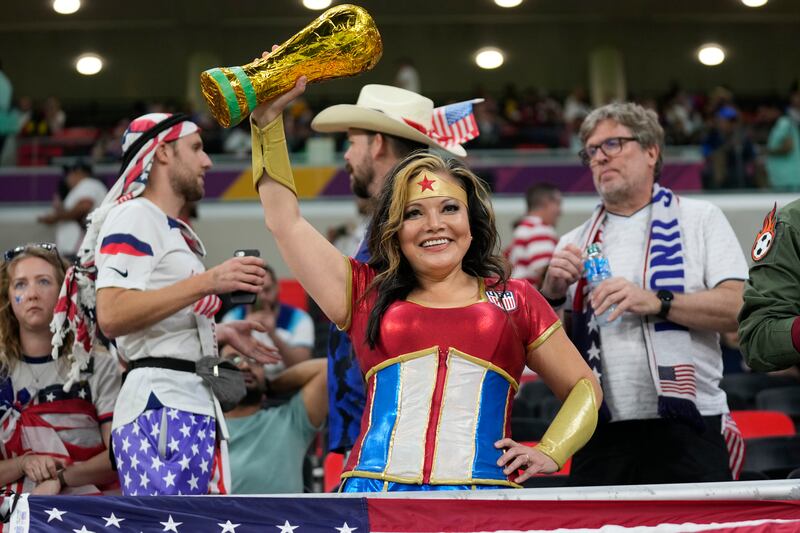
x: 18, y: 299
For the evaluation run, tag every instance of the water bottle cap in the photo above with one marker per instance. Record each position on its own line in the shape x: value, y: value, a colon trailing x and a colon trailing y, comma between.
x: 594, y: 248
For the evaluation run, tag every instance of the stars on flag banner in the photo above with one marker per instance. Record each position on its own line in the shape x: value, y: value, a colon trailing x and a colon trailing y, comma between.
x: 455, y: 123
x: 508, y: 510
x: 175, y: 514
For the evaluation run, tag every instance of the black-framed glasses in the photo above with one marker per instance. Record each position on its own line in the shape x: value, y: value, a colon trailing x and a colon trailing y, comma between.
x: 610, y: 147
x: 11, y: 253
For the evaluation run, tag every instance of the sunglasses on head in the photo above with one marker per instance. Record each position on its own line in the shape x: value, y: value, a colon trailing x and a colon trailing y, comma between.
x: 11, y: 253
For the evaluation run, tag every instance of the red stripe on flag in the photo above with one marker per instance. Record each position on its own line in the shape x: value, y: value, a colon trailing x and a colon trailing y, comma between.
x: 418, y: 516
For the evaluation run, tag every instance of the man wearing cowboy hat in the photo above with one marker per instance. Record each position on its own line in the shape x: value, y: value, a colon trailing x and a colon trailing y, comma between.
x: 384, y: 126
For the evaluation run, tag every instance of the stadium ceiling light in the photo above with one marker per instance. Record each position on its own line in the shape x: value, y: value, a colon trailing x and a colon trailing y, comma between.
x: 66, y: 7
x: 508, y: 3
x: 711, y: 54
x: 489, y: 57
x: 89, y: 64
x: 754, y: 3
x: 316, y: 4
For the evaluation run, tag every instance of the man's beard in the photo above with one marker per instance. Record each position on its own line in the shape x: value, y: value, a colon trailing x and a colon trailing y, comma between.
x: 359, y: 186
x: 254, y: 396
x: 190, y: 190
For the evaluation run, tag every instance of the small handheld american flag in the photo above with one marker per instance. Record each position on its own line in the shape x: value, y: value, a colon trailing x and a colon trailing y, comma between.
x: 455, y: 124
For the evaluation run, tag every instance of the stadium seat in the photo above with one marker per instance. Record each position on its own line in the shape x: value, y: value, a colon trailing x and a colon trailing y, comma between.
x: 332, y: 467
x: 292, y: 293
x: 783, y: 399
x: 743, y: 388
x: 754, y: 424
x: 528, y: 429
x: 534, y: 391
x: 546, y: 481
x: 549, y: 407
x: 527, y: 403
x: 773, y: 456
x: 747, y: 475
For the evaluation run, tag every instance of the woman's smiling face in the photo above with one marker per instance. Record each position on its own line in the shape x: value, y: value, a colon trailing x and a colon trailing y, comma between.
x: 435, y: 234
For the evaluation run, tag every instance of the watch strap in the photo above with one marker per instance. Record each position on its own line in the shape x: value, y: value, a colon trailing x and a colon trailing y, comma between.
x: 666, y: 303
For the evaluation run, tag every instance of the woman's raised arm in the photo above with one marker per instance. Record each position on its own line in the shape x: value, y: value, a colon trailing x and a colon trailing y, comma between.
x: 316, y: 263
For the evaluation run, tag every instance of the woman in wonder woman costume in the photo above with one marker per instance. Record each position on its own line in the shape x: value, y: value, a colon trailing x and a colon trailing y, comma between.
x: 440, y: 332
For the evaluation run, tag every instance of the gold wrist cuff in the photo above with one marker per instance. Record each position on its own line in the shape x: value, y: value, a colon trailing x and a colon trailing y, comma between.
x: 573, y: 426
x: 271, y: 154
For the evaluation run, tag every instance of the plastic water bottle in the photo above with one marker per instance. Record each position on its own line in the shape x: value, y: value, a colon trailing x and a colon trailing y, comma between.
x: 596, y: 268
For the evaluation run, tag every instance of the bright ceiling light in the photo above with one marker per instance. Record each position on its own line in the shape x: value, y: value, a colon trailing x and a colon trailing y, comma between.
x: 508, y: 3
x: 711, y: 54
x: 66, y: 7
x: 89, y: 64
x: 489, y: 57
x: 754, y: 3
x: 316, y: 4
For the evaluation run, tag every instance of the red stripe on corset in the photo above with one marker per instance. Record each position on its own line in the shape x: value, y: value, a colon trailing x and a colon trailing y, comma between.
x: 433, y: 420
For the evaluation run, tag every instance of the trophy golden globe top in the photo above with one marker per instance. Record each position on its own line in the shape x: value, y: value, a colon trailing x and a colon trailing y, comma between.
x: 343, y: 41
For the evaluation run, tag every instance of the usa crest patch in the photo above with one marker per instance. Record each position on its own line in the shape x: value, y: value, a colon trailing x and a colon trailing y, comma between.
x: 765, y: 237
x: 502, y: 299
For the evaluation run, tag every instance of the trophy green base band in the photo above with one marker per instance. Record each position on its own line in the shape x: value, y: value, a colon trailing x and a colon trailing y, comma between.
x: 225, y: 88
x: 247, y: 88
x: 271, y: 154
x: 573, y: 426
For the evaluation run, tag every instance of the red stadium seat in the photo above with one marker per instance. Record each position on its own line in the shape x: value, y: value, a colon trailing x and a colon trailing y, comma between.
x: 292, y: 293
x: 755, y: 424
x: 332, y: 468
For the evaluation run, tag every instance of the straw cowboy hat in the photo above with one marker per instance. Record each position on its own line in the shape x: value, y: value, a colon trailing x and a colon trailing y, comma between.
x: 385, y: 109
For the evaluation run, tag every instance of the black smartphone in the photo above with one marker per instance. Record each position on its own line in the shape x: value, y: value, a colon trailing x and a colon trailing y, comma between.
x: 244, y: 297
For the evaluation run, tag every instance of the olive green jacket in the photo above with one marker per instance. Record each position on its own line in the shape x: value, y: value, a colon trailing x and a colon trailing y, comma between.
x: 772, y: 296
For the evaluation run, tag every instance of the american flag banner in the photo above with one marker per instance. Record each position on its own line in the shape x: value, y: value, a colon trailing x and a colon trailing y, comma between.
x: 455, y: 124
x: 353, y: 514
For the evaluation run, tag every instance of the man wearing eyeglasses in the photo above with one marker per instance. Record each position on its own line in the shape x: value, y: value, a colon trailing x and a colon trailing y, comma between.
x: 267, y: 446
x: 677, y: 278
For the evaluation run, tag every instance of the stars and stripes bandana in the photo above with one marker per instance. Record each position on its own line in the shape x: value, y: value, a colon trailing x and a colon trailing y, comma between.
x: 75, y: 308
x: 669, y: 346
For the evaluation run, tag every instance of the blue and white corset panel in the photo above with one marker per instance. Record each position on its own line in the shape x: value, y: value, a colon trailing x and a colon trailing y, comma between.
x: 433, y: 417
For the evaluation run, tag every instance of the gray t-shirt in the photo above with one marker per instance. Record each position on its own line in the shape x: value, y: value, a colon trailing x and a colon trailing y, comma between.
x: 712, y: 255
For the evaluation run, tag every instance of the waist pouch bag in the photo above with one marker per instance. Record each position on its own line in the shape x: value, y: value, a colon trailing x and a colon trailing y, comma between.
x: 224, y: 379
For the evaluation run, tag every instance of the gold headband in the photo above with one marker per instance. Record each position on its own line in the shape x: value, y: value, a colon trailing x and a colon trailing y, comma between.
x: 429, y: 185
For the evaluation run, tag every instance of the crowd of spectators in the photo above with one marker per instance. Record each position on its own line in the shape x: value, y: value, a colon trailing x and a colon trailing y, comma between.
x: 731, y: 132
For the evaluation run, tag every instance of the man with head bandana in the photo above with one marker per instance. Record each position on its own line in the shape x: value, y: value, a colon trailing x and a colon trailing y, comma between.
x: 155, y: 298
x: 384, y: 126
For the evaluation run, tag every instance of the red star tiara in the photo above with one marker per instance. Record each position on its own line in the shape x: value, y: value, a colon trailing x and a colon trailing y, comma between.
x: 429, y: 185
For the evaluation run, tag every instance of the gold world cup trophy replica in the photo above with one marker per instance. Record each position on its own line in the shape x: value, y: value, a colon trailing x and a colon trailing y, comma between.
x: 343, y: 41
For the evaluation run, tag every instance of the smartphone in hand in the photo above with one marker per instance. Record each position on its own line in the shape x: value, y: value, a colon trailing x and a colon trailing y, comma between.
x: 244, y: 297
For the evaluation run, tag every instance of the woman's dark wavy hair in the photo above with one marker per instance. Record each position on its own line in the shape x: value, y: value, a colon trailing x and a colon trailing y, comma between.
x: 395, y: 278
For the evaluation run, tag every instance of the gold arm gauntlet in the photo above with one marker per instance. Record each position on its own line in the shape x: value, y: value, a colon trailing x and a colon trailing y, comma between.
x: 271, y: 154
x: 573, y: 426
